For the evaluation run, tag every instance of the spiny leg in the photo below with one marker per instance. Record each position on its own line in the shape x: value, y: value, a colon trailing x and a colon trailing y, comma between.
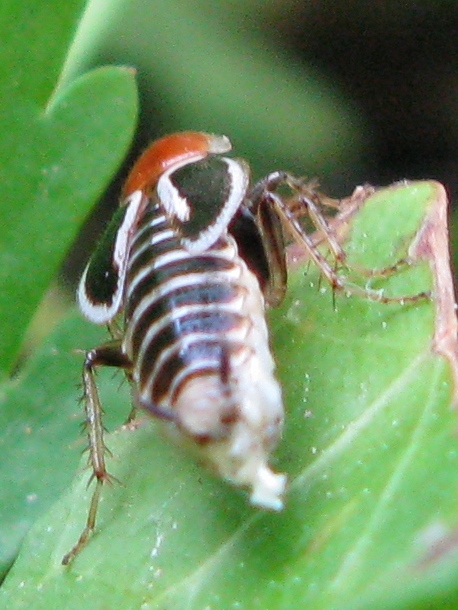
x: 264, y: 193
x: 339, y: 282
x: 109, y: 354
x: 307, y: 196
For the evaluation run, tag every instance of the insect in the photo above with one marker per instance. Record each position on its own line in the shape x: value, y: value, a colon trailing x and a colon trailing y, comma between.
x: 191, y: 259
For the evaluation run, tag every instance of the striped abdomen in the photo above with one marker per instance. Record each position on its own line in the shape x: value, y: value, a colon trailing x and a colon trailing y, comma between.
x: 193, y: 323
x: 195, y: 342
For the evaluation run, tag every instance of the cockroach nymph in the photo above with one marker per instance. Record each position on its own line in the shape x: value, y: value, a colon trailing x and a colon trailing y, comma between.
x: 191, y: 259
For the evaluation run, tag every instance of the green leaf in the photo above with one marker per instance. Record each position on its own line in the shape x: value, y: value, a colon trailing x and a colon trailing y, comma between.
x: 369, y: 448
x: 59, y: 147
x: 40, y: 441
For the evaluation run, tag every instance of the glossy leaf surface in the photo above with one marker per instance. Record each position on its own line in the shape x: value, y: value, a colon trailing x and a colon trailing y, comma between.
x: 59, y: 148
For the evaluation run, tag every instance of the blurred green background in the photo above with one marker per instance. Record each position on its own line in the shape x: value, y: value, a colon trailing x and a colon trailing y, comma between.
x: 349, y: 92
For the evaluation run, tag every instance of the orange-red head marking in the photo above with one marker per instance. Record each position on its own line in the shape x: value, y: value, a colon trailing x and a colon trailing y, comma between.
x: 172, y: 151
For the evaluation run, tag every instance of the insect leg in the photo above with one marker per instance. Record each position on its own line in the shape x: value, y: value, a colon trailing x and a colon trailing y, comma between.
x: 109, y: 354
x: 264, y: 194
x: 339, y: 254
x: 311, y: 203
x: 265, y: 191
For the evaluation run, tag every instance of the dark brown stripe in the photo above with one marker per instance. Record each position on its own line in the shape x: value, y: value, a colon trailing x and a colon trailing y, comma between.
x: 150, y: 254
x: 195, y: 265
x: 181, y: 297
x: 150, y: 226
x: 217, y: 323
x: 208, y: 353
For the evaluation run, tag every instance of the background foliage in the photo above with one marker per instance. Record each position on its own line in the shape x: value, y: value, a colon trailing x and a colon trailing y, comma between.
x: 220, y: 69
